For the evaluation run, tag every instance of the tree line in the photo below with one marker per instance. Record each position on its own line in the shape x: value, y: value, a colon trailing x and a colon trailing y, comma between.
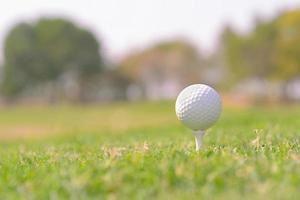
x: 56, y: 58
x: 271, y: 50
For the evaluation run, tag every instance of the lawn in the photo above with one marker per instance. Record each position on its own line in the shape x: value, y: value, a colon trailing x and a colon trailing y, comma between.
x: 141, y: 151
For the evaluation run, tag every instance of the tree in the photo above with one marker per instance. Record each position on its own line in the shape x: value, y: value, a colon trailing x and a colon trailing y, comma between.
x: 231, y: 45
x: 170, y: 64
x: 250, y: 55
x: 270, y: 51
x: 42, y: 52
x: 18, y: 50
x: 287, y: 46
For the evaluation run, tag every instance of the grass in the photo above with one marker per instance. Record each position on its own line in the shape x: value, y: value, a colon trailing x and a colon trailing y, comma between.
x: 141, y: 151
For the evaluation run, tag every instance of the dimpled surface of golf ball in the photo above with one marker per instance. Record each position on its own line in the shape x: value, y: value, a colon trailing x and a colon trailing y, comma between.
x: 198, y: 106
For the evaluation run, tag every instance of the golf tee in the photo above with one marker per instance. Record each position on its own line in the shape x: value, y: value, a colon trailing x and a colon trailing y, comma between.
x: 198, y: 139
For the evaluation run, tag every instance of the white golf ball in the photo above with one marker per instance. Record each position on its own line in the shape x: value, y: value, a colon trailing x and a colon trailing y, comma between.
x: 198, y: 106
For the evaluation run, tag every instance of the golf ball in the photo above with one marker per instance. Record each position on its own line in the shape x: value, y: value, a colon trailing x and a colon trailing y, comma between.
x: 198, y: 106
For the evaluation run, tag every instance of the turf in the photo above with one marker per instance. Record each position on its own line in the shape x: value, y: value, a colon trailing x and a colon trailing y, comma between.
x: 141, y: 151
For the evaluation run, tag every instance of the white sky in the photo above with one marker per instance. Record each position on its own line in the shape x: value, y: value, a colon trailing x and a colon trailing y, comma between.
x: 125, y: 25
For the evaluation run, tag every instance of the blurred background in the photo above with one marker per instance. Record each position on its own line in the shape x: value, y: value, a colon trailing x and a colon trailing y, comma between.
x: 103, y: 51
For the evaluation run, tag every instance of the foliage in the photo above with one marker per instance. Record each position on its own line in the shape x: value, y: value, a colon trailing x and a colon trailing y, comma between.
x: 41, y: 52
x: 141, y: 151
x: 270, y: 51
x: 167, y: 60
x: 250, y: 55
x: 231, y: 48
x: 287, y: 49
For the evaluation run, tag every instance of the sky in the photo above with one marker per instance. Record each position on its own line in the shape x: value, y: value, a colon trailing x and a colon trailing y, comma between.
x: 122, y: 26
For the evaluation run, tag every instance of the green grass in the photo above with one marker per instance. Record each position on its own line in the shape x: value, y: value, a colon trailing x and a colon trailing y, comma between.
x: 141, y: 151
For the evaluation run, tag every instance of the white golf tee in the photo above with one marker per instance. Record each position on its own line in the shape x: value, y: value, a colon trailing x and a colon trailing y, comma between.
x: 198, y: 139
